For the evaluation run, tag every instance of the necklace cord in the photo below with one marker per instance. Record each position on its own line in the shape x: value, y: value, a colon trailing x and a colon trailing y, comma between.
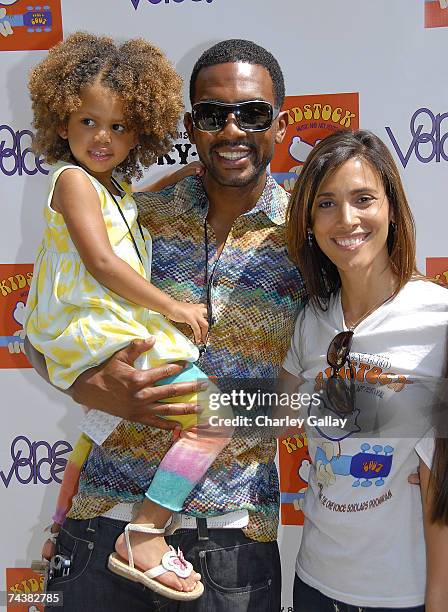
x: 208, y: 282
x: 117, y: 186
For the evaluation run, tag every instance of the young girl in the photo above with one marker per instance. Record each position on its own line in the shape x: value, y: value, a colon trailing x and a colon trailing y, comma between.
x: 373, y: 328
x: 100, y: 108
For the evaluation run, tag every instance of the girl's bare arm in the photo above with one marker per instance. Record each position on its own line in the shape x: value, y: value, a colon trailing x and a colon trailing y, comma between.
x: 191, y: 169
x: 77, y: 200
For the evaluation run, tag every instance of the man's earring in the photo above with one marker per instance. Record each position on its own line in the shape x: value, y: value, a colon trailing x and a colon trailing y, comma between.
x: 310, y: 238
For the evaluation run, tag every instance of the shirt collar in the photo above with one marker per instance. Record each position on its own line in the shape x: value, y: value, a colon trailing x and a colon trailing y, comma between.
x: 273, y: 202
x: 189, y: 193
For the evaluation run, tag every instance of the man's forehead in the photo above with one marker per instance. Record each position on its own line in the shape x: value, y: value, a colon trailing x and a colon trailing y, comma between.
x: 234, y: 82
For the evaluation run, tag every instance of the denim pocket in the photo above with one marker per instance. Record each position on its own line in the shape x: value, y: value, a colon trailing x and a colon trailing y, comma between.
x: 78, y: 550
x: 237, y: 578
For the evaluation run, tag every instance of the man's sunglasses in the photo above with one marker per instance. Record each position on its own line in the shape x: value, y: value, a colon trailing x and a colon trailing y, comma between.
x: 341, y: 396
x: 250, y: 116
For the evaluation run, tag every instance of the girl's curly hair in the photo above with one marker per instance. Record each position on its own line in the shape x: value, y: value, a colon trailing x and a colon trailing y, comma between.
x: 136, y: 70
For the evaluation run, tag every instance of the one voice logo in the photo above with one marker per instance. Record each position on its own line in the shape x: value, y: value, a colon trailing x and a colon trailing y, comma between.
x: 37, y: 462
x: 135, y: 3
x: 427, y: 138
x: 16, y: 154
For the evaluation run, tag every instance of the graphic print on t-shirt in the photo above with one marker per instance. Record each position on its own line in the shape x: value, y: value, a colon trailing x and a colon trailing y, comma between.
x: 371, y: 463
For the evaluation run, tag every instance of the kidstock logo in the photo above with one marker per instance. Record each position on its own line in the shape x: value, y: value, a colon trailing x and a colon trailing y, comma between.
x: 37, y: 462
x: 427, y: 138
x: 16, y: 154
x: 135, y: 3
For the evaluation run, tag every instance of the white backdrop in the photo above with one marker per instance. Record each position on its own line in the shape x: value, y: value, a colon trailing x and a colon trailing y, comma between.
x: 379, y: 49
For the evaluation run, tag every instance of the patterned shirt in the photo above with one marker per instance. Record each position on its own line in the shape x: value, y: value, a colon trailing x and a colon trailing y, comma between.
x: 255, y: 295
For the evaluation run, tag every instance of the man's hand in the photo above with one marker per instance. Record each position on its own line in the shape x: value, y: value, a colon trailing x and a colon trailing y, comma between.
x: 117, y: 388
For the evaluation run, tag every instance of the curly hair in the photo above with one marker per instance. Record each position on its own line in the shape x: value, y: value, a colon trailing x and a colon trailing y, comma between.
x: 240, y: 50
x: 136, y: 70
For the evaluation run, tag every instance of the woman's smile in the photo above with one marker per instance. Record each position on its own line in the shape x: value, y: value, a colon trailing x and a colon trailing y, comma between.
x: 351, y: 242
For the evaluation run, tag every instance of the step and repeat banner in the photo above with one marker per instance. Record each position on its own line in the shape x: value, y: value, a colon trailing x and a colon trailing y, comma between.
x: 351, y: 63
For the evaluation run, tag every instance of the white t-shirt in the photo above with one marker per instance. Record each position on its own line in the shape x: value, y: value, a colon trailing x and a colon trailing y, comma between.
x: 425, y: 449
x: 363, y: 539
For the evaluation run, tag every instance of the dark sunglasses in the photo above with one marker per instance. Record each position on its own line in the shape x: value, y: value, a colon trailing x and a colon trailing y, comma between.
x: 340, y: 394
x: 250, y: 116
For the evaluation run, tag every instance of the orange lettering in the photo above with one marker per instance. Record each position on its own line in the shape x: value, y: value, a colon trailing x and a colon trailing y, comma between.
x: 384, y: 378
x: 372, y: 375
x: 399, y: 383
x: 361, y: 371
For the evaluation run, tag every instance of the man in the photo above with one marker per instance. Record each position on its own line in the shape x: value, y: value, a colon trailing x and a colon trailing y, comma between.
x: 220, y: 240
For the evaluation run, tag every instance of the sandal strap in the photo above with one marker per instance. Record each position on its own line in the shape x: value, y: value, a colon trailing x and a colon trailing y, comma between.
x: 158, y: 570
x: 142, y: 527
x: 173, y: 524
x: 172, y: 561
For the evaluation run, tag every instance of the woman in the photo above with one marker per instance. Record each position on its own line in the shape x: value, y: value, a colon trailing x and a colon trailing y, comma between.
x: 373, y: 328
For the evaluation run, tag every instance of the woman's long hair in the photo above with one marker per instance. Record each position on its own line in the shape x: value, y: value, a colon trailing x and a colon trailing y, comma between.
x: 319, y: 273
x: 438, y: 481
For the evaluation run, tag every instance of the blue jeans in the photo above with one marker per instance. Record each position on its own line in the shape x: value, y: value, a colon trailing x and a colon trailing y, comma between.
x: 307, y: 599
x: 239, y: 575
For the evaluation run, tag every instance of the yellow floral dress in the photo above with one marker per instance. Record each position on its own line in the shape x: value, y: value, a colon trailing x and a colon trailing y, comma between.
x: 78, y: 323
x: 73, y: 319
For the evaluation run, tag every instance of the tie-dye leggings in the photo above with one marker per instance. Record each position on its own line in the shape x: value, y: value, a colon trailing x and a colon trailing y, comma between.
x: 188, y: 459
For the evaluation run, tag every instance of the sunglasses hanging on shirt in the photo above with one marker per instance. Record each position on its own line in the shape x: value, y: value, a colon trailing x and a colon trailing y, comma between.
x: 340, y: 392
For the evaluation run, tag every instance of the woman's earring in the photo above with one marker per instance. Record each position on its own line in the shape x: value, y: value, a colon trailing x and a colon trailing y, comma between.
x: 310, y: 238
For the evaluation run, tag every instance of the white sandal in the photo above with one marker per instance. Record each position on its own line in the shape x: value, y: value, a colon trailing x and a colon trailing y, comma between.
x: 172, y: 561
